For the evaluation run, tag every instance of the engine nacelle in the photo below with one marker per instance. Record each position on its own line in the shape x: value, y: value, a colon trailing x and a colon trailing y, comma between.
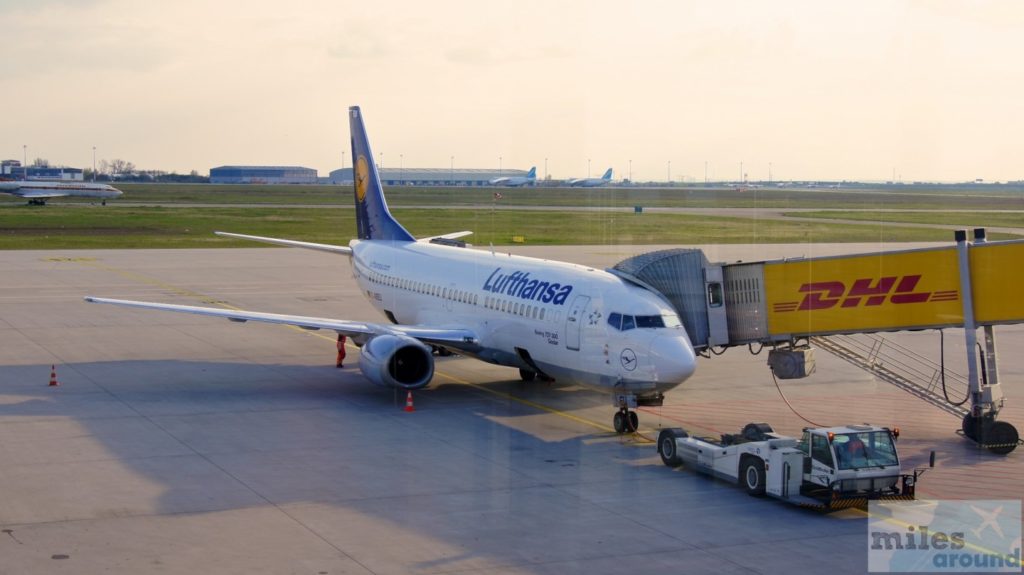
x: 397, y: 361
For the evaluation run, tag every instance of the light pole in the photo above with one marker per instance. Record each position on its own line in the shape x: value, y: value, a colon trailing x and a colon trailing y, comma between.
x: 588, y: 167
x: 94, y: 163
x: 499, y: 166
x: 670, y: 172
x: 401, y: 169
x: 631, y: 171
x: 705, y: 172
x: 451, y: 172
x: 545, y: 168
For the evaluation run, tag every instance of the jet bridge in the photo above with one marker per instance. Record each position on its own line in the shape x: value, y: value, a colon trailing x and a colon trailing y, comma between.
x: 783, y: 303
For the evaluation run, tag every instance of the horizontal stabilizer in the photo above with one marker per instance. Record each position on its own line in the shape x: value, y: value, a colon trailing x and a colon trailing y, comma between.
x: 345, y: 250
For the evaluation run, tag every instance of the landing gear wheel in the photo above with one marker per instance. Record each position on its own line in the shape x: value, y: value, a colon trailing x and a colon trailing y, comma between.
x: 1001, y: 438
x: 619, y: 422
x: 753, y: 476
x: 634, y: 421
x: 527, y: 375
x: 667, y: 448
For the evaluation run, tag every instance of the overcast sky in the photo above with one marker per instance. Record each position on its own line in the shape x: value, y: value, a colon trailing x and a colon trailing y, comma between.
x: 819, y: 90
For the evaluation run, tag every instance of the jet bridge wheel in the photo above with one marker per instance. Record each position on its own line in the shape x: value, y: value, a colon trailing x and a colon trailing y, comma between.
x: 1000, y: 438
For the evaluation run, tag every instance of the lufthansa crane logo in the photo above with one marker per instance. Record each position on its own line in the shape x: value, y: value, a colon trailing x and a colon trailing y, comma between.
x: 628, y: 359
x: 362, y: 176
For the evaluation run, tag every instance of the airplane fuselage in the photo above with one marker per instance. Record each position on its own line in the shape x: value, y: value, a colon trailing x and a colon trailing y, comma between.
x: 43, y: 190
x: 539, y: 315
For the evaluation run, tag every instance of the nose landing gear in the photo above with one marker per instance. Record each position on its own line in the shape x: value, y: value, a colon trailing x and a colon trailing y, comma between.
x: 625, y: 421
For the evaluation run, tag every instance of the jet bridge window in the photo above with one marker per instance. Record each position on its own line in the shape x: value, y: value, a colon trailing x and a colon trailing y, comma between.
x: 715, y: 297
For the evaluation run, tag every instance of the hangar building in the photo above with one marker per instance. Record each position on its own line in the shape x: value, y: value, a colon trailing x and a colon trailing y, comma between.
x: 262, y: 175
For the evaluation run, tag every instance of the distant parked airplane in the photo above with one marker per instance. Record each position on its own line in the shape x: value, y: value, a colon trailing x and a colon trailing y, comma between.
x: 38, y: 191
x: 592, y: 182
x: 528, y: 180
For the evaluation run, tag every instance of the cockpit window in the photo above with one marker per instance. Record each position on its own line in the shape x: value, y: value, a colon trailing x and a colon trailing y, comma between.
x: 623, y: 322
x: 643, y: 321
x: 615, y: 320
x: 627, y: 322
x: 672, y: 320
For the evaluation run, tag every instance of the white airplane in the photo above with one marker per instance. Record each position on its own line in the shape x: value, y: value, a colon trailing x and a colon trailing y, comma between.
x: 592, y: 182
x: 516, y: 181
x: 553, y: 320
x: 38, y: 191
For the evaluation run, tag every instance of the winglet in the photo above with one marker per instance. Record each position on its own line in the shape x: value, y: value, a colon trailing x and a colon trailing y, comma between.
x: 373, y: 220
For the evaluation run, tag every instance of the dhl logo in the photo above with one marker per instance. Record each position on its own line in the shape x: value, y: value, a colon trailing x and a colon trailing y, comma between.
x: 872, y: 292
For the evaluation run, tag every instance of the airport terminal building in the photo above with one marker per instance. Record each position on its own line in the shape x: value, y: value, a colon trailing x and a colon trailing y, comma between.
x: 14, y: 170
x: 262, y: 175
x: 430, y: 176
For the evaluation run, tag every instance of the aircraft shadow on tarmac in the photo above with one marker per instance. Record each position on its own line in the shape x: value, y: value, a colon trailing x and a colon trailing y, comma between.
x: 470, y: 479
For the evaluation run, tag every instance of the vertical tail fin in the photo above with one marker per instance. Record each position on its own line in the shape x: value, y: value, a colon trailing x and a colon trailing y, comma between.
x: 607, y: 175
x: 373, y: 220
x: 532, y: 174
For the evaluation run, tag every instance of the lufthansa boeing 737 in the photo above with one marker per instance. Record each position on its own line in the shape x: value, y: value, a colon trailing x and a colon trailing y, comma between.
x: 553, y: 320
x: 38, y: 191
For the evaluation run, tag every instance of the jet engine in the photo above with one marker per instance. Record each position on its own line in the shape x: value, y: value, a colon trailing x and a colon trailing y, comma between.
x: 397, y: 361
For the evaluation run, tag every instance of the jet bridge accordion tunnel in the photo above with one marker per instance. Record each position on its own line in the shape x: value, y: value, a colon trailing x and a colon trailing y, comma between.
x: 782, y: 303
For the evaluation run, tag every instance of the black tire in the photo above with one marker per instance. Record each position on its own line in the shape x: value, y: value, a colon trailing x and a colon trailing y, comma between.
x: 1002, y: 437
x: 667, y: 448
x: 634, y: 421
x: 971, y: 427
x: 752, y: 476
x: 619, y: 422
x: 527, y: 375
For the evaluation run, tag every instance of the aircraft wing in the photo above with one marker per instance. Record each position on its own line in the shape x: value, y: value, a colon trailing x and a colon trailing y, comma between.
x: 462, y: 339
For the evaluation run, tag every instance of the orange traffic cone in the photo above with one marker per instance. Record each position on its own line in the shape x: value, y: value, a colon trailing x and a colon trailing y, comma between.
x: 408, y: 402
x: 53, y: 376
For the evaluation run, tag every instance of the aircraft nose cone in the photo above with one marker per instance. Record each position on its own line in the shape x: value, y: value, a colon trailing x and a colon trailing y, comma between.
x: 673, y: 359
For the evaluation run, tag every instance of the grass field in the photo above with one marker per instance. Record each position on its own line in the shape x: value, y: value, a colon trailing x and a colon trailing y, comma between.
x: 185, y: 215
x: 882, y: 198
x: 961, y: 219
x: 70, y: 227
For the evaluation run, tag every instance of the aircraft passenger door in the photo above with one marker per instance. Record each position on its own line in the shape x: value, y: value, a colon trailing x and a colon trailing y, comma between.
x: 574, y: 322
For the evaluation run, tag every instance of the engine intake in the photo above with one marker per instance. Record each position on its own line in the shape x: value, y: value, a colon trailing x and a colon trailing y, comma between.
x: 397, y: 361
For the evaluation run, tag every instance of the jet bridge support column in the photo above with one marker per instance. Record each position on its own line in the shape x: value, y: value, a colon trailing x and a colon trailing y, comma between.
x: 986, y: 395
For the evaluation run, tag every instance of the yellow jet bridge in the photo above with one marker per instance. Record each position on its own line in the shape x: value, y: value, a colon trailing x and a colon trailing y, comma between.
x: 782, y: 303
